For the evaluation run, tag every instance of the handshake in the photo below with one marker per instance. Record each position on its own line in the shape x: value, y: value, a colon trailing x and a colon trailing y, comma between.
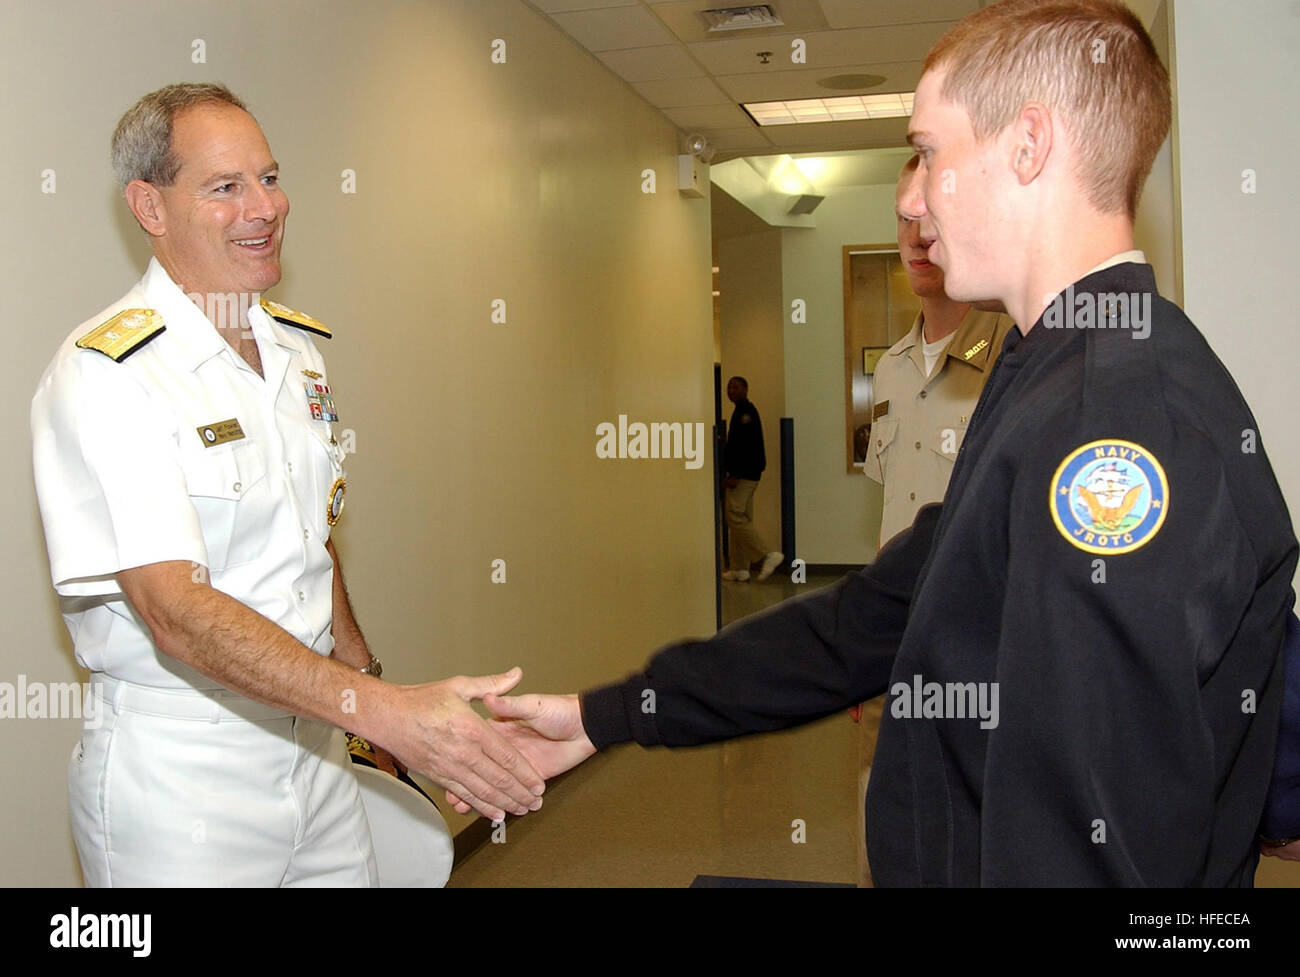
x: 491, y: 767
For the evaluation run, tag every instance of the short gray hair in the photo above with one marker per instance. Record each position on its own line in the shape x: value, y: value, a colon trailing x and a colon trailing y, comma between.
x: 142, y: 141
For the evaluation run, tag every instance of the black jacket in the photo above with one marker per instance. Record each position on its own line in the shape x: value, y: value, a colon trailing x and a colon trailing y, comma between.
x: 1138, y: 687
x: 744, y: 457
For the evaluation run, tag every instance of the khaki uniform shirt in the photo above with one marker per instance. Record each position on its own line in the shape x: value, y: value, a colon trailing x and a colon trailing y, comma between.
x: 918, y: 422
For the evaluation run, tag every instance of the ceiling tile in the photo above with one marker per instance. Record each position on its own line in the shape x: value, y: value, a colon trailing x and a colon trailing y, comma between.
x: 676, y: 92
x: 652, y: 63
x: 824, y: 49
x: 708, y: 117
x: 854, y: 13
x: 730, y: 140
x: 614, y: 29
x: 839, y: 135
x: 803, y: 83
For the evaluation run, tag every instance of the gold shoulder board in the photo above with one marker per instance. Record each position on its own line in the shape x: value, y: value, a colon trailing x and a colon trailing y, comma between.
x: 123, y: 334
x: 282, y: 313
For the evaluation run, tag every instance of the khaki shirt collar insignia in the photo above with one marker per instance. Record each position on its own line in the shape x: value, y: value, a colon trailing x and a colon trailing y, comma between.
x: 973, y: 341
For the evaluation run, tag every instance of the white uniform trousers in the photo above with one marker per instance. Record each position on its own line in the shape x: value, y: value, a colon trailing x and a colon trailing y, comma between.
x: 185, y: 788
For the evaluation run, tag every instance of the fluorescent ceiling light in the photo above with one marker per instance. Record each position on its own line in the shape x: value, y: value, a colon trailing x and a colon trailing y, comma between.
x: 795, y: 111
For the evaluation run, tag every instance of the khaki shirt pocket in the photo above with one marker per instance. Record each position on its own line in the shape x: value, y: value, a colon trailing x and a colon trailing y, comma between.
x: 947, y: 441
x: 883, y: 433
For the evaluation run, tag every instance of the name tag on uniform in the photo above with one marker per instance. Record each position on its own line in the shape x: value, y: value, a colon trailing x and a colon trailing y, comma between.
x: 220, y: 432
x: 880, y: 410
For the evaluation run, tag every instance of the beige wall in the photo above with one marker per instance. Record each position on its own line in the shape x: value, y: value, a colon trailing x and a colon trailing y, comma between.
x: 1155, y: 226
x: 475, y: 441
x: 1238, y: 248
x: 749, y: 272
x: 1238, y: 254
x: 837, y: 514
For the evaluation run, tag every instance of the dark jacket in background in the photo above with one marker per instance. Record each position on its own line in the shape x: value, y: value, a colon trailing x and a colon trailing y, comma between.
x: 744, y: 455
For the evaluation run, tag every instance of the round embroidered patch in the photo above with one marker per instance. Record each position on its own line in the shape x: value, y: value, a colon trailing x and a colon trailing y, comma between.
x: 1109, y: 496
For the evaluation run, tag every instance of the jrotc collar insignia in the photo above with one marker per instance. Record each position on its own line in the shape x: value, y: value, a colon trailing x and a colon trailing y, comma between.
x: 123, y: 334
x: 1109, y: 496
x: 320, y: 401
x: 974, y: 349
x: 290, y: 317
x: 334, y: 504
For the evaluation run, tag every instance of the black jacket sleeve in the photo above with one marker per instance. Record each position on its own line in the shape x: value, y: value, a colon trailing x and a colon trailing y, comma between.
x: 745, y: 455
x: 1282, y: 808
x: 805, y: 658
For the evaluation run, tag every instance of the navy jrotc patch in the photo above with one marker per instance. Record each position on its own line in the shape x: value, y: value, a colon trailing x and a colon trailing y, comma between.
x: 1109, y: 496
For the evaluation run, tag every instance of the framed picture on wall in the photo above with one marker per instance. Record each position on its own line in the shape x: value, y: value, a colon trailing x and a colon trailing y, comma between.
x: 870, y: 357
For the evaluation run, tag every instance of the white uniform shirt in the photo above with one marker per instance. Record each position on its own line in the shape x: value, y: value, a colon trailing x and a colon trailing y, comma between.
x: 125, y: 478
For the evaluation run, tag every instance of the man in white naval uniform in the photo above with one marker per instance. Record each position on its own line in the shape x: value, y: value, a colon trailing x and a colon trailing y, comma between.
x: 189, y: 475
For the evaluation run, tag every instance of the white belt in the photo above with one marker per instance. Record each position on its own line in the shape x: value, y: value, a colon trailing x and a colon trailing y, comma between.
x: 206, y: 705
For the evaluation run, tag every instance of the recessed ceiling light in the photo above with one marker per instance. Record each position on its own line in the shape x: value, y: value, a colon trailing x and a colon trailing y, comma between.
x: 842, y: 108
x: 848, y: 83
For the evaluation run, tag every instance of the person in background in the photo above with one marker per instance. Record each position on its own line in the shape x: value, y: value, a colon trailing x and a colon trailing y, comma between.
x: 925, y: 389
x: 744, y: 462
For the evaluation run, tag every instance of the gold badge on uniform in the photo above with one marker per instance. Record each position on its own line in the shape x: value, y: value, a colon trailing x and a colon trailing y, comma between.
x: 334, y: 504
x: 219, y: 432
x: 880, y: 410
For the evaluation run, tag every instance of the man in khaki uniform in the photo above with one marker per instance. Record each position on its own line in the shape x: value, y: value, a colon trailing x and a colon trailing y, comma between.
x: 926, y: 388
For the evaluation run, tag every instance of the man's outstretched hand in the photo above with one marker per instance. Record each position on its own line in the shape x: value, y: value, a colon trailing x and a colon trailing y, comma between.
x: 546, y: 729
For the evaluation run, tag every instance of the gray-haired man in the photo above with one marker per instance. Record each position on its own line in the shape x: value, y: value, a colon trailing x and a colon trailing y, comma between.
x: 189, y: 478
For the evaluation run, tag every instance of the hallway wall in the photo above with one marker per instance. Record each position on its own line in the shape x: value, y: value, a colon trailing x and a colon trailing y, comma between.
x: 750, y: 283
x: 475, y: 441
